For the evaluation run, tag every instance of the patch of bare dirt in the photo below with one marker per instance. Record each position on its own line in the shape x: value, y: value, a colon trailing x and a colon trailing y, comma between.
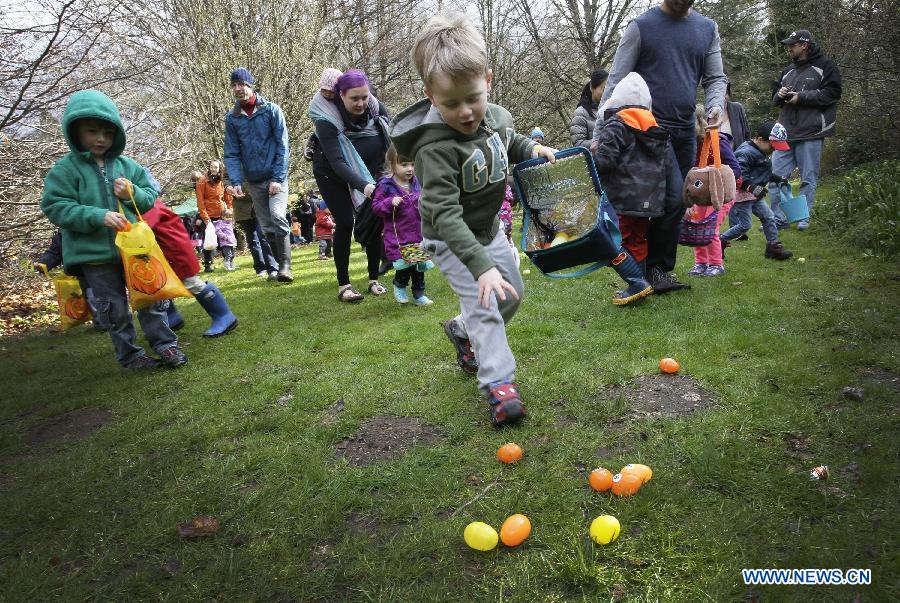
x: 797, y: 446
x: 75, y: 424
x: 880, y: 377
x: 384, y: 438
x: 661, y: 396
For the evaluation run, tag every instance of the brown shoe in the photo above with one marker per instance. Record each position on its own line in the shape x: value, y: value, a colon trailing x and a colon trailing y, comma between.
x: 776, y: 251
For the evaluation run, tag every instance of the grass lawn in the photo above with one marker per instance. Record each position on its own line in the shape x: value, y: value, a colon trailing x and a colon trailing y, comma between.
x: 273, y: 430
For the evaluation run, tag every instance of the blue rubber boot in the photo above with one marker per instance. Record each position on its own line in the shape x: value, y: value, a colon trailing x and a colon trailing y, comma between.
x: 212, y: 300
x: 633, y: 275
x: 173, y: 316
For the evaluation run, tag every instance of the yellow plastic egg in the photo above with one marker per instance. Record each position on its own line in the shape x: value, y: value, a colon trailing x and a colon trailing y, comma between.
x: 559, y: 239
x: 642, y: 471
x: 480, y: 536
x: 605, y: 529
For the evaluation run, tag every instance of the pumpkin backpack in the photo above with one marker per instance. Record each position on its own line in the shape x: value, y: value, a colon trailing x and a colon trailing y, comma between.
x: 708, y: 184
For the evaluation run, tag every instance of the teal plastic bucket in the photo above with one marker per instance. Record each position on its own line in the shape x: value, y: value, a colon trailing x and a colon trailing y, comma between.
x: 794, y: 208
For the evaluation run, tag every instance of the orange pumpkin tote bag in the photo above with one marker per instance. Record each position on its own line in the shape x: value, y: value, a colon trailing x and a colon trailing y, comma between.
x: 73, y: 307
x: 147, y: 273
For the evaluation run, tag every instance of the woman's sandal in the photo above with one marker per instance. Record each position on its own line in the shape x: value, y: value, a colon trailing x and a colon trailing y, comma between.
x: 376, y: 288
x: 350, y: 295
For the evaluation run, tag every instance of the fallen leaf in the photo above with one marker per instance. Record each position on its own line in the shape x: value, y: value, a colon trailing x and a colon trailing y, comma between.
x: 199, y: 527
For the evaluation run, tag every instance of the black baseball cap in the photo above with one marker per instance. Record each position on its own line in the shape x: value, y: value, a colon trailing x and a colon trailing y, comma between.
x: 801, y: 35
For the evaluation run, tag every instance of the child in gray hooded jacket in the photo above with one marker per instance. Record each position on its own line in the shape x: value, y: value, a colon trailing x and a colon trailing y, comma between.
x: 632, y: 160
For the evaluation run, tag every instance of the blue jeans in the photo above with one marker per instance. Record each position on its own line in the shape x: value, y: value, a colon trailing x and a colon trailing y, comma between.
x: 108, y: 284
x: 806, y: 155
x: 263, y: 260
x: 740, y: 220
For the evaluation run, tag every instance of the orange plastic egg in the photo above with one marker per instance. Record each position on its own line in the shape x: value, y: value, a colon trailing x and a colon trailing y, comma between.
x: 642, y: 471
x: 509, y: 453
x: 515, y: 530
x: 600, y: 479
x: 669, y: 366
x: 626, y: 484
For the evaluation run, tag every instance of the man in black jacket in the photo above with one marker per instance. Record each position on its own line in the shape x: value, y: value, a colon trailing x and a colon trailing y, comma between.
x: 807, y: 92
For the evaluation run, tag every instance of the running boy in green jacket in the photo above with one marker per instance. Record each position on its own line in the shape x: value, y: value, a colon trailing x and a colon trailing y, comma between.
x: 462, y: 147
x: 81, y: 196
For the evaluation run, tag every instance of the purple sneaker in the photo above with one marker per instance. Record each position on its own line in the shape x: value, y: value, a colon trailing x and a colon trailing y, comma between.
x: 713, y: 270
x: 698, y: 270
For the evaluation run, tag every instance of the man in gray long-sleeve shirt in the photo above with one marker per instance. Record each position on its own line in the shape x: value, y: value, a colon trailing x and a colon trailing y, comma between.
x: 675, y: 50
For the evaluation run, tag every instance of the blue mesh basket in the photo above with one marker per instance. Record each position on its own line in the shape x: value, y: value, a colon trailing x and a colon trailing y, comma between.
x: 547, y: 189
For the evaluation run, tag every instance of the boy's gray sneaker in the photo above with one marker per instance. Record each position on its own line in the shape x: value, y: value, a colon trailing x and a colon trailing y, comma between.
x: 172, y: 357
x: 142, y: 362
x: 465, y: 357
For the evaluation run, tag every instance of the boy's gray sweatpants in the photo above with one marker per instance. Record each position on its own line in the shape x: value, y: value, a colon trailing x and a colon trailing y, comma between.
x: 485, y: 327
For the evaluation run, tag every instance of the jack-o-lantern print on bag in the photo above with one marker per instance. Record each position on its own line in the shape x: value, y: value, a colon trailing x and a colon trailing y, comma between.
x: 73, y: 306
x: 147, y: 273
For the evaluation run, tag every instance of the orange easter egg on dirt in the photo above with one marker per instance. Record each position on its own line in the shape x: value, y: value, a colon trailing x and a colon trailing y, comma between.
x: 509, y: 453
x: 626, y: 484
x: 642, y: 471
x: 669, y: 366
x: 600, y: 479
x: 515, y: 530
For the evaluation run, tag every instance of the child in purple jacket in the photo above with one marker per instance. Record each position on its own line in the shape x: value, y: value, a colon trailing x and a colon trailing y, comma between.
x: 396, y: 201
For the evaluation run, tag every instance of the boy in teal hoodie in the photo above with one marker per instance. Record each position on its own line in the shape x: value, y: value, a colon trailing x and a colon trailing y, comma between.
x: 462, y: 146
x: 81, y: 196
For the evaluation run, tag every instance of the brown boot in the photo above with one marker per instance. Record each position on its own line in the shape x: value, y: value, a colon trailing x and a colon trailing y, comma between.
x: 776, y: 251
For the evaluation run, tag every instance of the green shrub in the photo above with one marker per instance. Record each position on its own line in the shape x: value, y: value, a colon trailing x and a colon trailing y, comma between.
x: 864, y: 208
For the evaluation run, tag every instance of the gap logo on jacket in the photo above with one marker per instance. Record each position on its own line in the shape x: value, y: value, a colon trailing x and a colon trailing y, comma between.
x: 475, y: 171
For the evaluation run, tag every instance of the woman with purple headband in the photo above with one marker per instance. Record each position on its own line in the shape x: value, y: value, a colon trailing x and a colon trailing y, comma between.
x: 352, y: 133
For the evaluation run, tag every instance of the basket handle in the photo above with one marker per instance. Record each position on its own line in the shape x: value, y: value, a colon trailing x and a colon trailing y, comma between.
x: 710, y: 143
x: 713, y: 134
